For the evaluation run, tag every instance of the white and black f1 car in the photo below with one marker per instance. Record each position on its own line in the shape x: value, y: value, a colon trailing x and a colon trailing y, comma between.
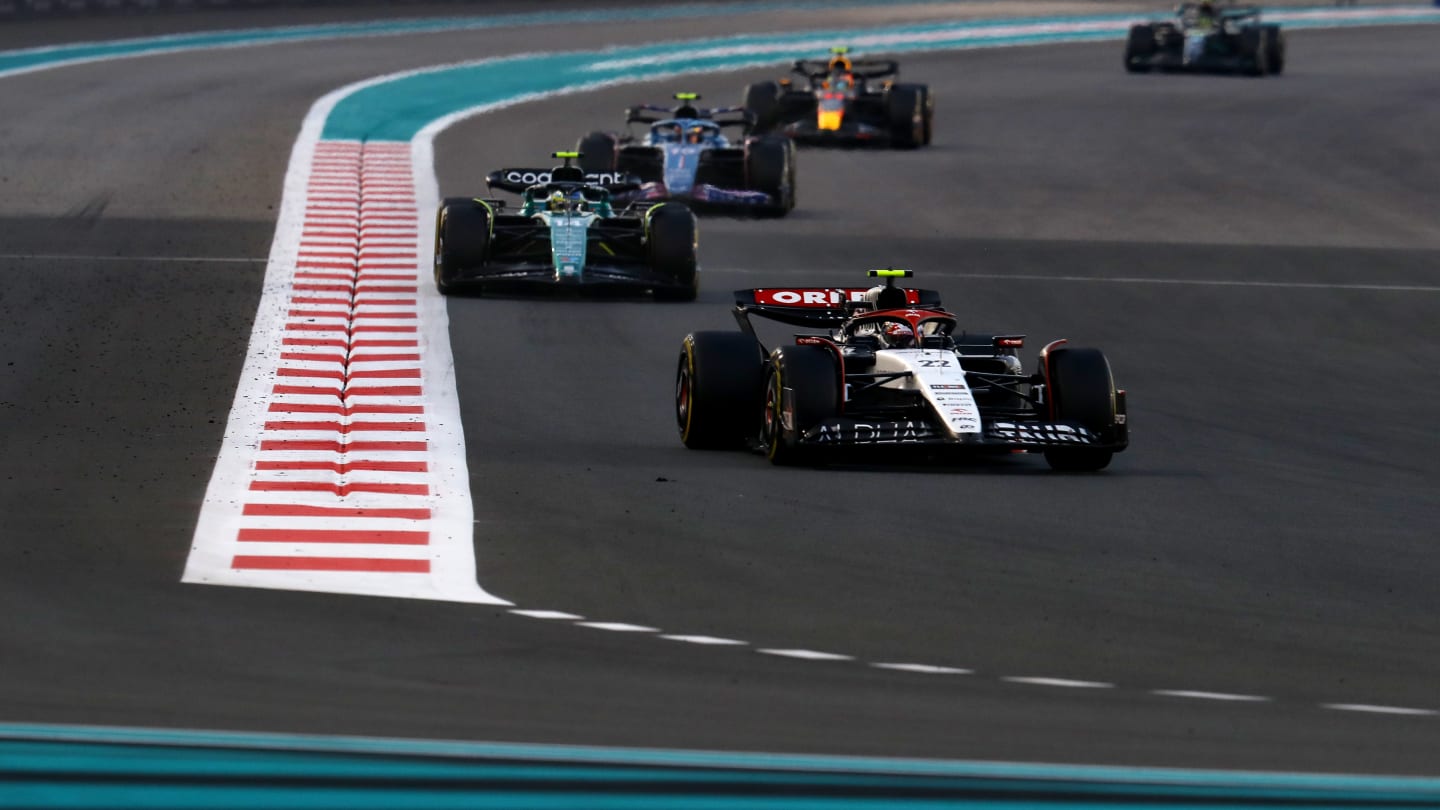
x: 890, y: 370
x: 844, y: 102
x: 685, y: 155
x: 566, y: 232
x: 1210, y: 39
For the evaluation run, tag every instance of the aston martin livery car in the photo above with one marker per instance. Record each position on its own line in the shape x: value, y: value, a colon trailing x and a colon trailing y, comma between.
x: 844, y: 102
x: 889, y: 367
x: 566, y: 231
x: 685, y: 155
x: 1207, y: 38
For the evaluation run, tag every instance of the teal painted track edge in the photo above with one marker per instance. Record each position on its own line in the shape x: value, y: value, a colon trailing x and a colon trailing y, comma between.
x: 395, y: 109
x: 1410, y: 788
x: 30, y: 59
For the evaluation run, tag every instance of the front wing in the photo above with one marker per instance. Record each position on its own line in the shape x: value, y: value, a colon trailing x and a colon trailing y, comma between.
x: 998, y: 435
x: 850, y: 133
x: 706, y: 197
x: 499, y: 273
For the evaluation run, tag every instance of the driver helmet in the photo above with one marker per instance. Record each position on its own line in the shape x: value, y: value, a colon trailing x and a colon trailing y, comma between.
x: 695, y: 135
x: 898, y: 335
x: 557, y: 200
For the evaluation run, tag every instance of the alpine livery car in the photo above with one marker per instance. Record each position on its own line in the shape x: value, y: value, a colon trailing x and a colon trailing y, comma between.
x: 684, y: 155
x: 1207, y: 39
x: 890, y: 370
x: 566, y: 232
x: 844, y: 102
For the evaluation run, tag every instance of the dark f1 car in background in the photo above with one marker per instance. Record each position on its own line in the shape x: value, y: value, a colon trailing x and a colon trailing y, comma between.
x: 890, y: 370
x: 1209, y: 39
x: 566, y: 232
x: 685, y: 155
x: 844, y: 102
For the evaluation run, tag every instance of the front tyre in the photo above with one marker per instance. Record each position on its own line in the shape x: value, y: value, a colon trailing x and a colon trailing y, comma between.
x: 718, y: 385
x: 803, y: 388
x: 1081, y: 391
x: 462, y: 240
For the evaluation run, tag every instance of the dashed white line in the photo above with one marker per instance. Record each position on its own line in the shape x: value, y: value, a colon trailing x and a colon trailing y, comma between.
x: 547, y: 614
x: 1199, y: 695
x: 1373, y: 709
x: 1061, y: 682
x: 708, y: 640
x: 808, y: 655
x: 618, y: 627
x: 935, y: 669
x: 927, y: 669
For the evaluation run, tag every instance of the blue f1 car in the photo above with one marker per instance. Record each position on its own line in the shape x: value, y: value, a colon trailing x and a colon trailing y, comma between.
x: 685, y: 156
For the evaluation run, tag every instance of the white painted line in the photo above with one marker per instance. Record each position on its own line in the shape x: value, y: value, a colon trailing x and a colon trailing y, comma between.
x: 1193, y: 282
x: 808, y: 655
x: 1061, y: 682
x: 1198, y: 695
x: 619, y: 627
x: 926, y: 669
x: 547, y: 614
x: 1373, y: 709
x: 711, y: 640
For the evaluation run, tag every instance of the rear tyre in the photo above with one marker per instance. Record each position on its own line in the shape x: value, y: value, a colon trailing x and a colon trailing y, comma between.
x: 770, y: 167
x: 902, y: 103
x: 762, y: 100
x: 927, y: 114
x: 1082, y: 390
x: 718, y: 388
x: 811, y: 374
x: 1274, y: 50
x: 1139, y: 48
x: 597, y: 152
x: 647, y: 163
x: 671, y: 237
x: 462, y: 240
x: 1256, y: 59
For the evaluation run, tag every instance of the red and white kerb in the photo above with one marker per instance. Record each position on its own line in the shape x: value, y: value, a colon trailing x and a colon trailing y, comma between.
x: 338, y: 491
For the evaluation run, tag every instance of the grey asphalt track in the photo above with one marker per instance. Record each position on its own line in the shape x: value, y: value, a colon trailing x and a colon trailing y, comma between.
x: 1269, y: 533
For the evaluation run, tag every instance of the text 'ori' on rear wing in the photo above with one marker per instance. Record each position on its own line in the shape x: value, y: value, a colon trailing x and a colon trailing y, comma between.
x: 815, y: 307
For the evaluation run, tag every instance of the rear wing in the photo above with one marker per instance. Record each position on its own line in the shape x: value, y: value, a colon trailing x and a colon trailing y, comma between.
x: 813, y: 307
x: 864, y: 68
x: 516, y: 181
x: 652, y: 114
x: 1223, y: 12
